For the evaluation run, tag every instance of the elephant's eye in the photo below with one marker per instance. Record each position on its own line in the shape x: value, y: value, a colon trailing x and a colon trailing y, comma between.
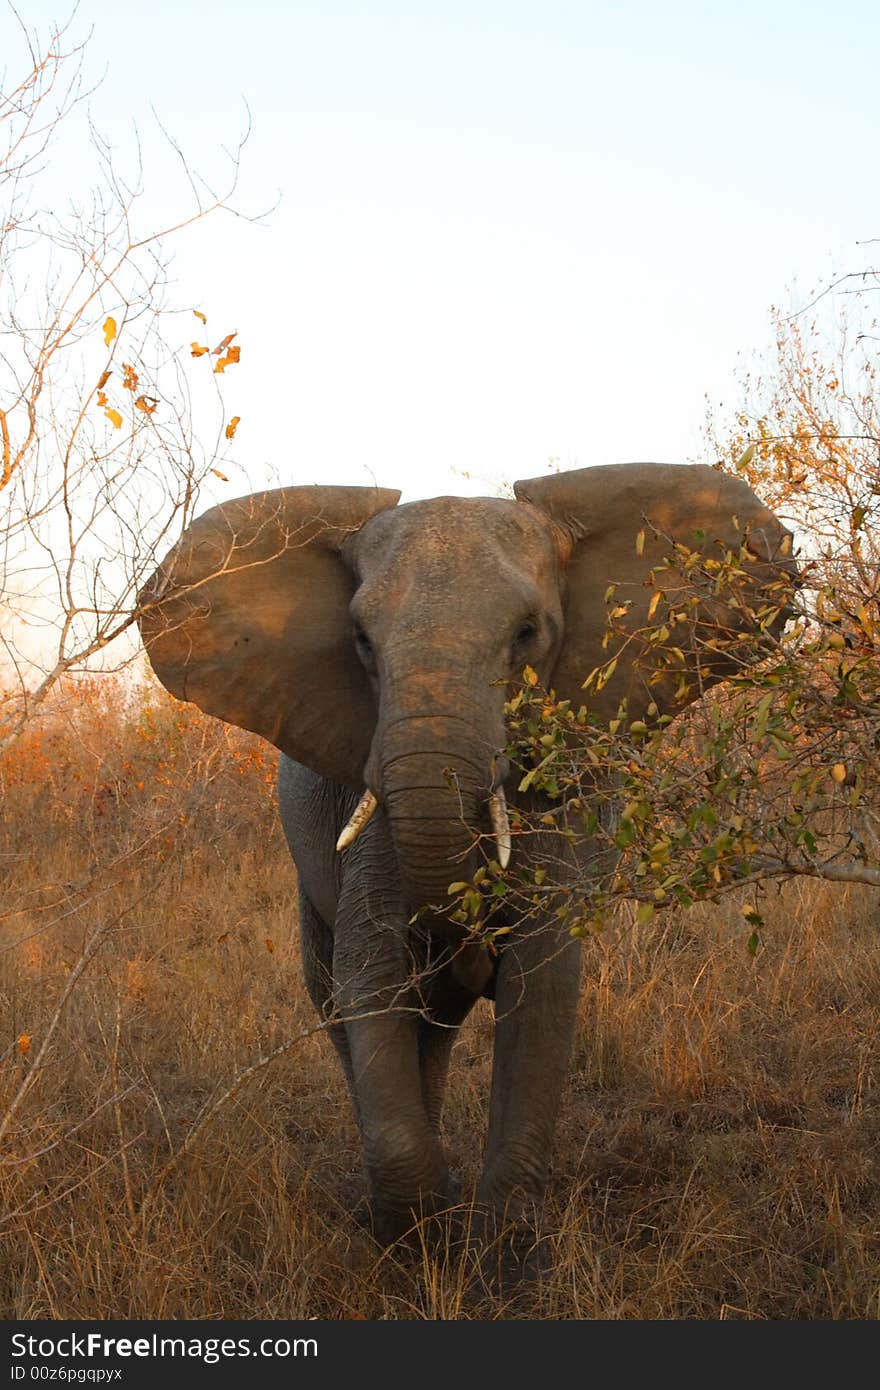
x: 527, y: 632
x: 521, y: 648
x: 364, y: 646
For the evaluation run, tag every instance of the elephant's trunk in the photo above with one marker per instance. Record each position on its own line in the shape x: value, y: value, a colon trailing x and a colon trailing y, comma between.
x: 435, y: 787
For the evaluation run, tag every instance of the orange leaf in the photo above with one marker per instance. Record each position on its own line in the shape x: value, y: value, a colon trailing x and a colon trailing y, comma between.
x: 105, y: 377
x: 221, y: 347
x: 109, y: 331
x: 198, y: 350
x: 232, y: 426
x: 102, y: 398
x: 199, y: 315
x: 222, y: 476
x: 228, y: 359
x: 129, y: 377
x: 24, y: 1043
x: 270, y: 944
x: 147, y: 404
x: 115, y: 418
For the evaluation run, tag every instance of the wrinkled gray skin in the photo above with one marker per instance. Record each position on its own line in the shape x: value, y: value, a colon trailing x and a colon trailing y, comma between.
x: 377, y: 646
x: 444, y: 636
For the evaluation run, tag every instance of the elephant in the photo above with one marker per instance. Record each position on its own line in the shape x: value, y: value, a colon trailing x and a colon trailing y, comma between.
x: 375, y: 645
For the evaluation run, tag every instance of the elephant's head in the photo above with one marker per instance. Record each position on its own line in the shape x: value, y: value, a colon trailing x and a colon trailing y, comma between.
x: 374, y: 642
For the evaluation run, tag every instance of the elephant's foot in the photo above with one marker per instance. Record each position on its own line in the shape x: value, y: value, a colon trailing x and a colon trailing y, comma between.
x: 512, y: 1254
x: 420, y: 1218
x: 408, y: 1179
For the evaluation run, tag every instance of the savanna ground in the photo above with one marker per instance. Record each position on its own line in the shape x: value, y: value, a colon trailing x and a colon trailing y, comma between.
x: 718, y: 1154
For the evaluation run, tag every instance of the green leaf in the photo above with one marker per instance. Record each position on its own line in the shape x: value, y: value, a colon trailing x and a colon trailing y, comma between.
x: 625, y: 835
x: 606, y: 673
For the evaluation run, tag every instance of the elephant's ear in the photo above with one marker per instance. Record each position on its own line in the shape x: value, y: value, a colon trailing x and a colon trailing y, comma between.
x: 620, y: 523
x: 248, y: 617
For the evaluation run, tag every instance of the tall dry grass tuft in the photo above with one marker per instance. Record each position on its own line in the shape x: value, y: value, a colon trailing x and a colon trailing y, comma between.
x: 717, y: 1154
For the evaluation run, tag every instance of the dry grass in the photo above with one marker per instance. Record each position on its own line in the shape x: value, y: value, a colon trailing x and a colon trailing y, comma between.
x: 717, y: 1153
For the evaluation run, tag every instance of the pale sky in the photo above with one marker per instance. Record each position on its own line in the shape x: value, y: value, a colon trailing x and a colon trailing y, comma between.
x: 507, y: 233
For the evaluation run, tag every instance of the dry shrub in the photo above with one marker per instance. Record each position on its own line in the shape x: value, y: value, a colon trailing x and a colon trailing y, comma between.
x: 717, y: 1153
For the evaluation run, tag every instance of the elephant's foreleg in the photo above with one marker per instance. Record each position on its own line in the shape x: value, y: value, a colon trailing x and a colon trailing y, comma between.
x: 536, y: 997
x: 377, y: 996
x: 405, y: 1165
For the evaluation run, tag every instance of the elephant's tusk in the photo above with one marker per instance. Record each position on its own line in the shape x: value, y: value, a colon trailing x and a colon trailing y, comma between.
x: 501, y: 825
x: 358, y: 821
